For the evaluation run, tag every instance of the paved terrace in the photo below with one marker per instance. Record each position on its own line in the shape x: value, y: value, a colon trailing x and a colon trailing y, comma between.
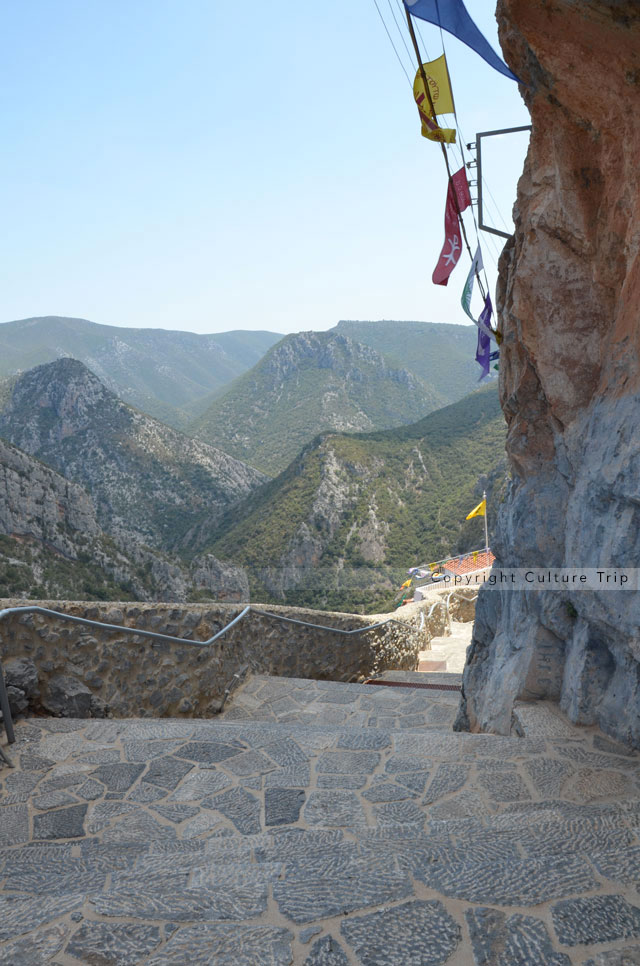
x: 319, y: 824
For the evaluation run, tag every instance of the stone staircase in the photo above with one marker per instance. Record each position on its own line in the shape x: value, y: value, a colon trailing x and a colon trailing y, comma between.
x: 452, y: 649
x: 319, y: 824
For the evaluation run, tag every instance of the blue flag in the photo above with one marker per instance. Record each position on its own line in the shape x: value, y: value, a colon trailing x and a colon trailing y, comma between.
x: 452, y: 16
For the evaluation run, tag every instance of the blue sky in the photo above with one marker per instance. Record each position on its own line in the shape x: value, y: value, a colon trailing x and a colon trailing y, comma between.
x: 193, y: 164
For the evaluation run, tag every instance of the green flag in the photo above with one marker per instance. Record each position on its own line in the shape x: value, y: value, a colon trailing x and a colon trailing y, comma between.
x: 467, y: 292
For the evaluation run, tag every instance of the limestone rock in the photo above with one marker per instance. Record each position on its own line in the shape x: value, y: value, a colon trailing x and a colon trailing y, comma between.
x: 568, y: 302
x: 37, y: 502
x: 55, y: 543
x: 148, y: 481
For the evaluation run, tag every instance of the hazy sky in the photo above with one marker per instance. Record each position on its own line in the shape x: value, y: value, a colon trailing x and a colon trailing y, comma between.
x: 193, y: 164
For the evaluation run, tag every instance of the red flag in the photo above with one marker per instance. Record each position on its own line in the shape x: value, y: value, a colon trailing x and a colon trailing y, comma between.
x: 452, y: 248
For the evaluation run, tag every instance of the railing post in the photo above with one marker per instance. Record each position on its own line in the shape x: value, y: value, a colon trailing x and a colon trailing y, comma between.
x: 6, y: 710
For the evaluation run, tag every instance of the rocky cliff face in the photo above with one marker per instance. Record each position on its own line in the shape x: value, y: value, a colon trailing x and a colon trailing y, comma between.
x: 37, y: 502
x: 147, y: 481
x: 52, y: 545
x: 50, y: 538
x: 569, y: 373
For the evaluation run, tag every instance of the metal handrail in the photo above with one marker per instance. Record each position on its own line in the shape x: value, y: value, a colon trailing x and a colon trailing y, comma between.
x: 433, y: 607
x: 120, y: 627
x: 134, y: 632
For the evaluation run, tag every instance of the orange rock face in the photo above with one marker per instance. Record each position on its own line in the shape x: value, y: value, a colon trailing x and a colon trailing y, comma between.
x: 569, y: 308
x: 571, y: 281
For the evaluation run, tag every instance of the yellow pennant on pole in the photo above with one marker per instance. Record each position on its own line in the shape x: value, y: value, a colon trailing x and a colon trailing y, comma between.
x: 441, y: 96
x: 478, y: 511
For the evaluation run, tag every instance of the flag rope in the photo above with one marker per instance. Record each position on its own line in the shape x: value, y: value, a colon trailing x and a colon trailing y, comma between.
x: 460, y: 145
x: 493, y: 251
x: 391, y: 42
x: 395, y: 20
x: 433, y: 119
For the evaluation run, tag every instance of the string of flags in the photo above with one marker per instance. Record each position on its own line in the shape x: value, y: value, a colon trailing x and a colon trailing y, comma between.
x: 433, y: 96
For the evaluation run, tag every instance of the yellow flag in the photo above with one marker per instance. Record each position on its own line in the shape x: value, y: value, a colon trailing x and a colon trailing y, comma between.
x: 441, y: 97
x: 432, y: 567
x: 446, y: 134
x: 407, y: 583
x: 479, y: 511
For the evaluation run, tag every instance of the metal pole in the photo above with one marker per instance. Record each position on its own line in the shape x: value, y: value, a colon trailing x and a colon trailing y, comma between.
x: 6, y: 710
x: 486, y: 528
x: 425, y: 81
x: 479, y: 173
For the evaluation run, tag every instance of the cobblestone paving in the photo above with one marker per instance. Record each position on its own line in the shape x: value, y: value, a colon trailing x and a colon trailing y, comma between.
x: 318, y: 824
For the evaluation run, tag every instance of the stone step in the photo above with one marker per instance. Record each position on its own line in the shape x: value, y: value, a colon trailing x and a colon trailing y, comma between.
x: 451, y: 649
x: 312, y: 842
x: 609, y: 840
x: 528, y: 833
x: 446, y: 678
x: 295, y: 701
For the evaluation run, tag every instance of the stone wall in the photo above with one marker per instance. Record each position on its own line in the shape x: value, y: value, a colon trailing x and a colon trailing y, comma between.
x: 105, y: 672
x: 569, y: 308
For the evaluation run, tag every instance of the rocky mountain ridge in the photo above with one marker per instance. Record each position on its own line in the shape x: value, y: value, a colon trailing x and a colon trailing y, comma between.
x: 36, y: 501
x: 52, y: 547
x: 148, y: 482
x: 156, y: 370
x: 310, y: 383
x: 442, y: 355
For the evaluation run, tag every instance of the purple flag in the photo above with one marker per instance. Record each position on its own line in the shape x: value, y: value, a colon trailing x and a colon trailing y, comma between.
x: 484, y: 355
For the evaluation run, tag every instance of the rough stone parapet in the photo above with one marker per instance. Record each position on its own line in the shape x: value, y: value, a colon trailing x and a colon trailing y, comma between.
x: 105, y: 672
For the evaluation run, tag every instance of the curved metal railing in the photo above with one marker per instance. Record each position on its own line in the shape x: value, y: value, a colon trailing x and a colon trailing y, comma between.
x: 154, y: 635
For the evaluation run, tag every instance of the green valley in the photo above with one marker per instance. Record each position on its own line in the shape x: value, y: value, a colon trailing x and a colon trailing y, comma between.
x: 340, y: 525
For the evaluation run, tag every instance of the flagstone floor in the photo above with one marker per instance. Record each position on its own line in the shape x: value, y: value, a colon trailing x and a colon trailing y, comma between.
x: 319, y: 824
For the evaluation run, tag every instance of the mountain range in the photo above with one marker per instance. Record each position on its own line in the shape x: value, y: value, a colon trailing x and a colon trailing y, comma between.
x: 328, y: 380
x: 148, y: 481
x: 157, y: 370
x: 100, y: 499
